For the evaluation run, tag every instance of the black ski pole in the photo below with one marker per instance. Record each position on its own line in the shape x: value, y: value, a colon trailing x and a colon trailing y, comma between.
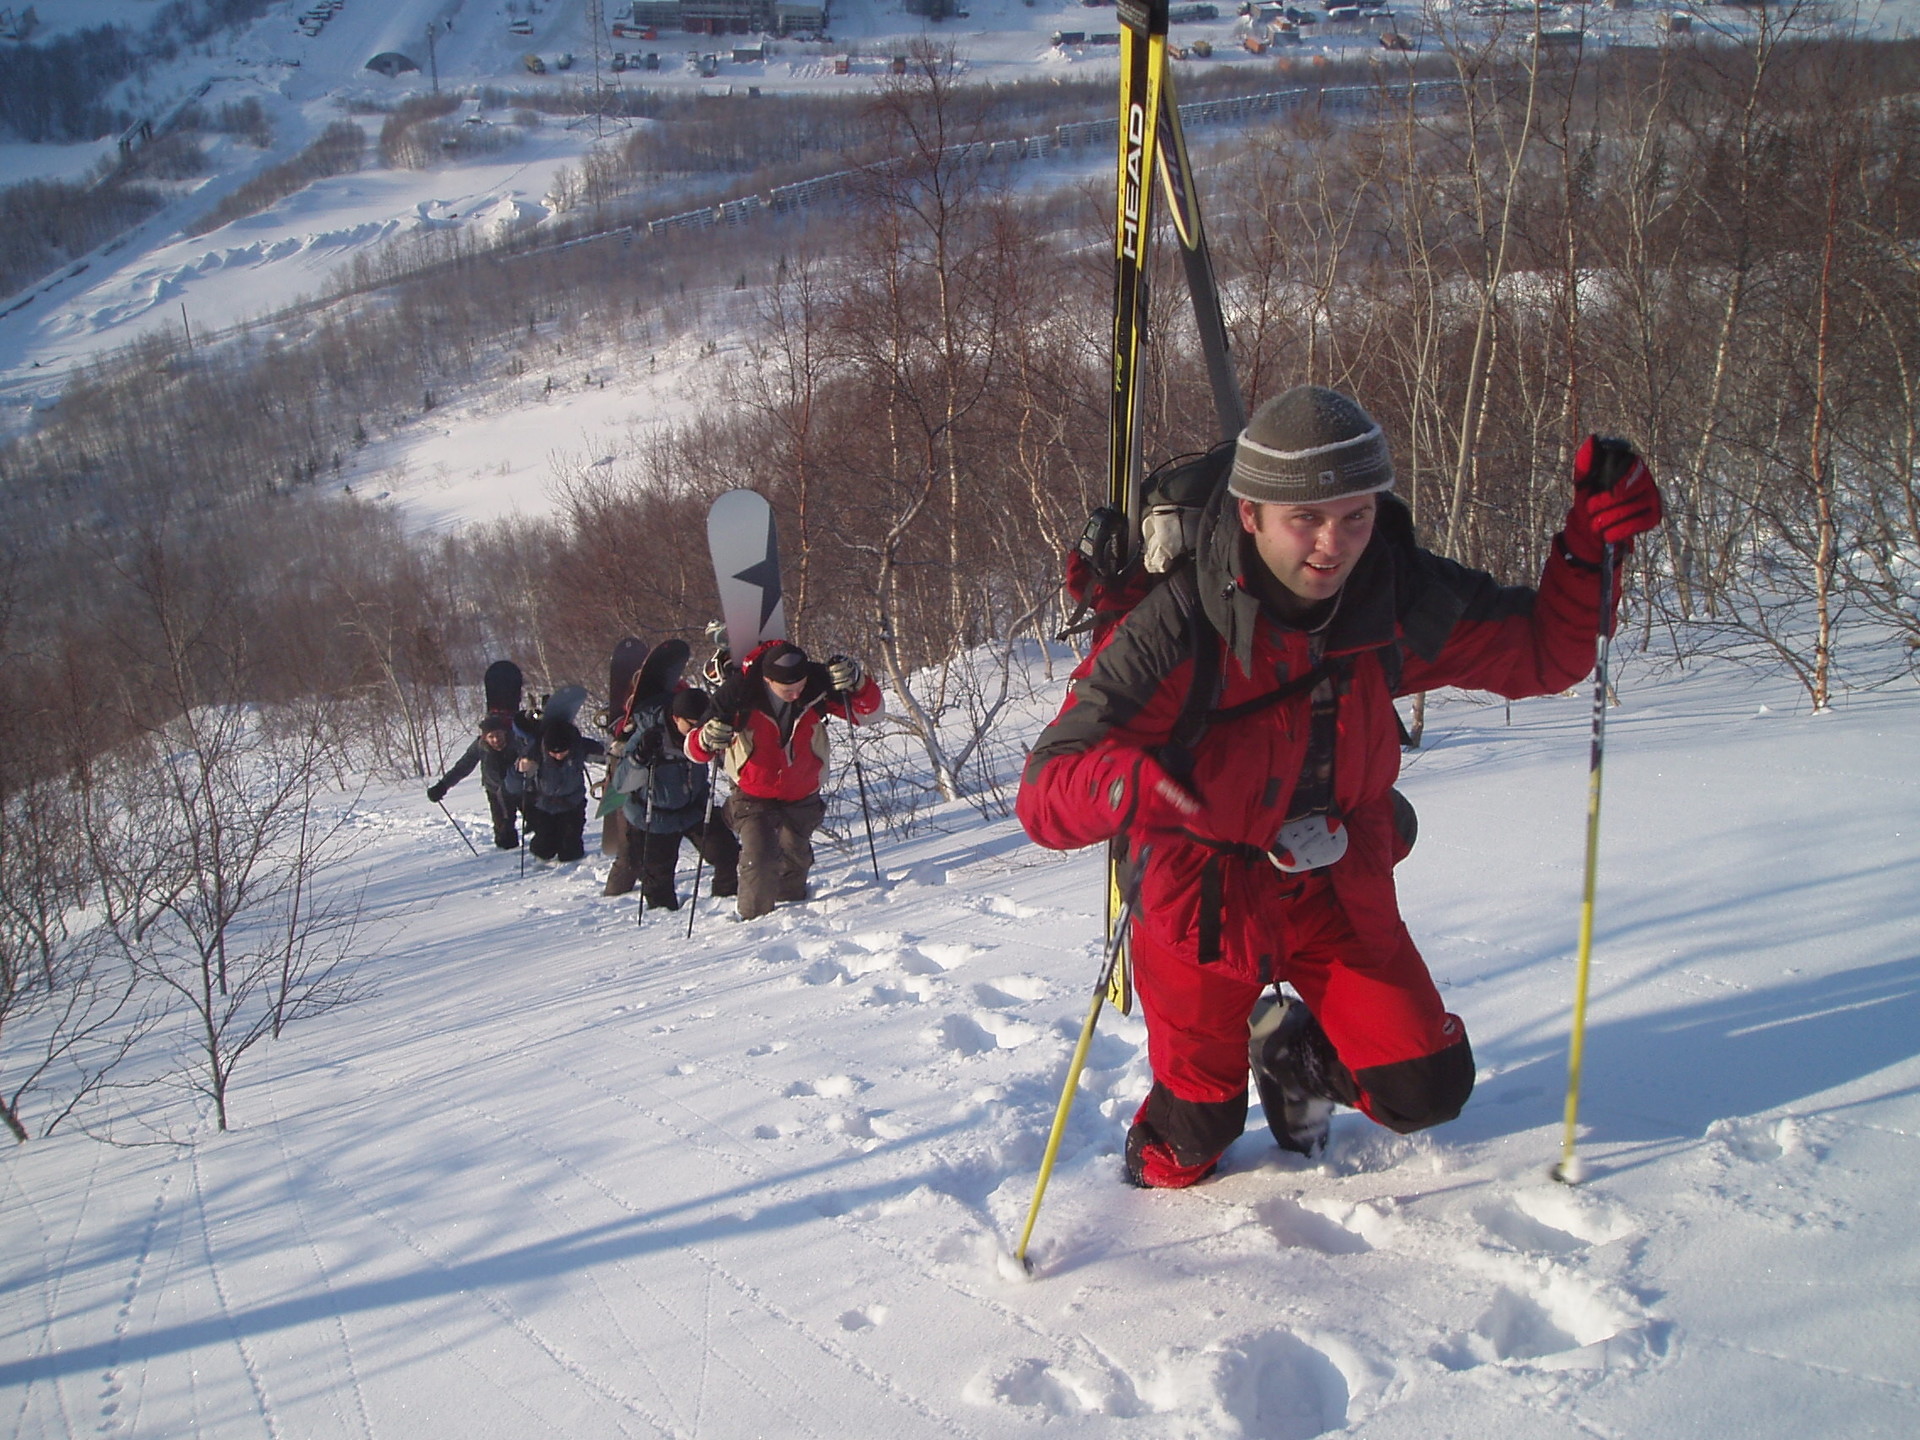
x: 457, y: 826
x: 866, y: 813
x: 646, y: 838
x: 860, y: 779
x: 700, y: 855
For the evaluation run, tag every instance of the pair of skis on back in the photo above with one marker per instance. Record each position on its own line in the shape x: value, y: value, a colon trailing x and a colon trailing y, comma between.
x: 1152, y: 147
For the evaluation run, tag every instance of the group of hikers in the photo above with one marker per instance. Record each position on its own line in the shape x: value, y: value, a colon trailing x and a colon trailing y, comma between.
x: 1233, y: 724
x: 763, y: 723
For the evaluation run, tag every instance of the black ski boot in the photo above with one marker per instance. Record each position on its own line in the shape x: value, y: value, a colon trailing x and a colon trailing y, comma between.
x: 1283, y: 1047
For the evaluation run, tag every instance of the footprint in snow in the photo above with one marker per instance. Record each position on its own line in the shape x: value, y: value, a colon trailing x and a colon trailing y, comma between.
x: 1552, y: 1220
x: 1542, y: 1315
x: 1305, y: 1224
x: 1008, y: 991
x: 1045, y: 1390
x: 961, y: 1035
x: 824, y: 972
x: 831, y: 1087
x: 1758, y: 1140
x: 1270, y: 1383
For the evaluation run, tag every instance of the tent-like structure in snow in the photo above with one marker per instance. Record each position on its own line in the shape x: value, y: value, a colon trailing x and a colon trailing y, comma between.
x: 391, y: 63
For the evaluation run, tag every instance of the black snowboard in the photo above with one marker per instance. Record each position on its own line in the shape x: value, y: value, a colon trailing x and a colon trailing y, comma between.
x: 503, y: 684
x: 628, y: 656
x: 660, y: 675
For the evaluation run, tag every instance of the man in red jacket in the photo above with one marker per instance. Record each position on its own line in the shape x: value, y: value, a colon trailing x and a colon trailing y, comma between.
x: 771, y: 727
x: 1263, y: 824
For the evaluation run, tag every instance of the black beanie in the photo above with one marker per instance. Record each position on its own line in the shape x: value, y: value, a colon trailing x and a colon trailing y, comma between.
x: 784, y: 663
x: 692, y: 704
x: 495, y: 721
x: 1307, y: 445
x: 558, y: 735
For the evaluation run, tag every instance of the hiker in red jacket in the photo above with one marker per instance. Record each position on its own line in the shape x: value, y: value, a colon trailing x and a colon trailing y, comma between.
x: 770, y: 724
x: 1262, y: 817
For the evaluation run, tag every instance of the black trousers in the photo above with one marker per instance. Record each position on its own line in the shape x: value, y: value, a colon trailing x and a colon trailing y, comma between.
x: 506, y: 833
x: 557, y: 835
x: 654, y: 858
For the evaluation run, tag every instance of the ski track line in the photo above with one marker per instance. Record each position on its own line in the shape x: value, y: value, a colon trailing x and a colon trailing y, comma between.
x: 113, y: 1383
x: 49, y: 1282
x: 319, y: 1265
x: 1907, y: 1389
x: 261, y: 1400
x: 513, y: 1319
x: 883, y: 1383
x: 614, y: 1312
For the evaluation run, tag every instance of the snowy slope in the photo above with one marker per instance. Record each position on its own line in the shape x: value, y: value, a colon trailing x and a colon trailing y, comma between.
x: 572, y: 1176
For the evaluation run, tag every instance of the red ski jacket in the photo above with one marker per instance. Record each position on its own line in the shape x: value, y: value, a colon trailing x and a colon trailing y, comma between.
x: 764, y: 762
x: 1407, y: 620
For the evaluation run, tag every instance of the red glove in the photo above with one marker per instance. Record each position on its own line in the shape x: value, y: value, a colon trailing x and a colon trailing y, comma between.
x: 1614, y: 499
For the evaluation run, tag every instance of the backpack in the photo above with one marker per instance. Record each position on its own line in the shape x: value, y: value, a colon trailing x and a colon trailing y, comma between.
x: 1105, y: 580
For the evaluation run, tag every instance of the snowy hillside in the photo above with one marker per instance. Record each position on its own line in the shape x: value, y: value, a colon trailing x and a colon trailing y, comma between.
x: 572, y: 1176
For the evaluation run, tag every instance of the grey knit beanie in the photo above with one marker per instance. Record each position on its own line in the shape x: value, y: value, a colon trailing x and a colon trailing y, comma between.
x: 1307, y: 445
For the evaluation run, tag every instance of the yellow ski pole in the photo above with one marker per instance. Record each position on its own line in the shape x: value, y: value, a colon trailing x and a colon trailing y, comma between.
x: 1065, y: 1107
x: 1570, y: 1171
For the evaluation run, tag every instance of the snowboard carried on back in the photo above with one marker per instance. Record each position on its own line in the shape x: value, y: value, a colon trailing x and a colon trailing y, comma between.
x: 746, y: 567
x: 563, y: 704
x: 504, y: 686
x: 623, y: 668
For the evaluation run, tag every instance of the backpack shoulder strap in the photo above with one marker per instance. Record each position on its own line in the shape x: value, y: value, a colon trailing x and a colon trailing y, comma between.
x: 1203, y: 680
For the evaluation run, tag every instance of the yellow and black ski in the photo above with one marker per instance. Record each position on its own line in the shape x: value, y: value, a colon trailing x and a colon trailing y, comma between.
x: 1151, y: 143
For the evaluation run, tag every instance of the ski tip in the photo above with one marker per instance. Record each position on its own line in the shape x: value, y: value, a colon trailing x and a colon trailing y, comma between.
x: 1571, y: 1171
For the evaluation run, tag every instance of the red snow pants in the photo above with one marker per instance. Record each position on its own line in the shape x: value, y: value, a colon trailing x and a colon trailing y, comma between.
x: 1409, y: 1059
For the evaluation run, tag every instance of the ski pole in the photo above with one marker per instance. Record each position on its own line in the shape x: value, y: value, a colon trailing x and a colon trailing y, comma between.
x: 866, y: 814
x: 700, y: 856
x: 1074, y: 1066
x: 646, y: 838
x: 1570, y: 1171
x: 457, y: 826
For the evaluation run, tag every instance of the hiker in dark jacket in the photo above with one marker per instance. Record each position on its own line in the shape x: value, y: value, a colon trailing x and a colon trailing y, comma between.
x: 1266, y: 842
x: 668, y: 799
x: 495, y: 751
x: 553, y: 787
